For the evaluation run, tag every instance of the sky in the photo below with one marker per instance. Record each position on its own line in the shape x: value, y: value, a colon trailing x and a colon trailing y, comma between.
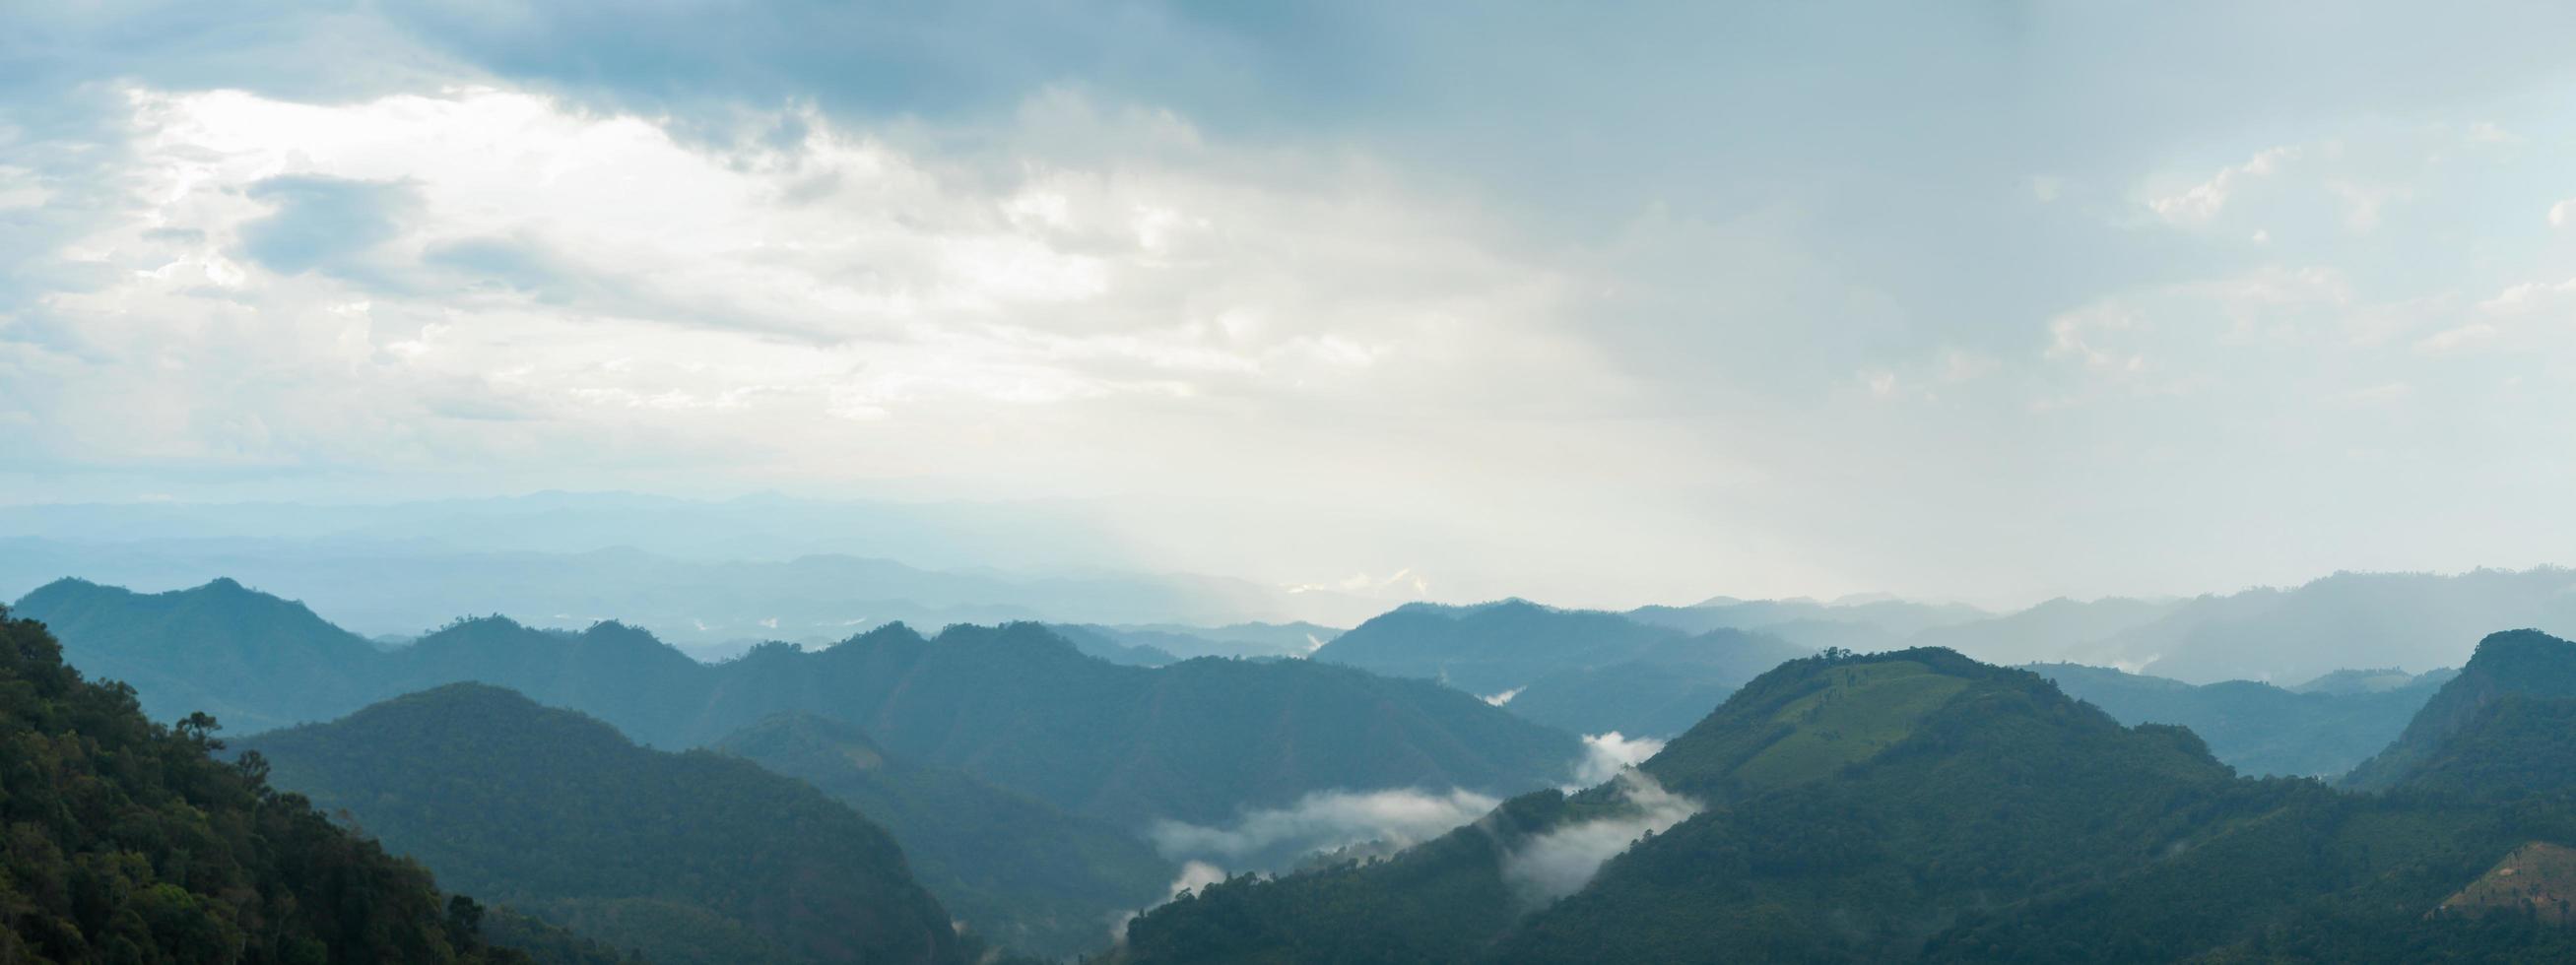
x: 1601, y: 304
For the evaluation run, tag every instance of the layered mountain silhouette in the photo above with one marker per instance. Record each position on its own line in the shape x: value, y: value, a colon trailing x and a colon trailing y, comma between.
x: 691, y: 857
x: 1016, y: 706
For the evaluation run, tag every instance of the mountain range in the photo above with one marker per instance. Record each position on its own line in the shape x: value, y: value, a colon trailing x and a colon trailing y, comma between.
x: 1918, y: 805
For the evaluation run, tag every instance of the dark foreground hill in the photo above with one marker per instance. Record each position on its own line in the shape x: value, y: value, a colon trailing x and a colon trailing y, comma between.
x: 1015, y: 869
x: 1909, y: 806
x: 128, y: 843
x: 1016, y: 706
x: 693, y: 857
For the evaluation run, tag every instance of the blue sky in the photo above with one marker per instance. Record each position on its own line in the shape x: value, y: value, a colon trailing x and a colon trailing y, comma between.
x: 1592, y: 303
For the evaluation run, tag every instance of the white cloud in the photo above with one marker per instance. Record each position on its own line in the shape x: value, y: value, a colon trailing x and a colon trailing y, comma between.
x: 2563, y: 213
x: 1609, y: 755
x: 1503, y: 698
x: 1322, y: 821
x: 2202, y: 202
x: 1561, y: 861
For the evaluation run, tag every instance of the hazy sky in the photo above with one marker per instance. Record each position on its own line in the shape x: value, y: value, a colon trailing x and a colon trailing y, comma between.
x: 1593, y: 303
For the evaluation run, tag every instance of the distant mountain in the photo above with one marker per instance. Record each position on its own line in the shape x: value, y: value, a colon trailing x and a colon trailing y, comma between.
x: 128, y: 843
x: 2260, y: 729
x: 694, y: 857
x: 2052, y: 630
x: 1016, y: 706
x: 1567, y: 659
x: 1896, y: 619
x: 1018, y: 871
x: 2344, y: 620
x: 1913, y: 805
x: 2508, y: 711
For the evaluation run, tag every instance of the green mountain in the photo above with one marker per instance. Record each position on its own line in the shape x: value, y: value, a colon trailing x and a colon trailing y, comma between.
x: 1904, y: 806
x: 126, y: 842
x: 1018, y: 871
x: 693, y: 857
x: 2496, y: 716
x: 1016, y: 706
x: 251, y: 659
x: 2260, y: 729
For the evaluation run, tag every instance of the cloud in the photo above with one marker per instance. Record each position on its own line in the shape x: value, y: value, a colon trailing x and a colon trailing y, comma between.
x: 1609, y: 755
x: 2202, y: 202
x: 2563, y: 213
x: 1561, y: 861
x: 1322, y: 821
x: 1504, y: 697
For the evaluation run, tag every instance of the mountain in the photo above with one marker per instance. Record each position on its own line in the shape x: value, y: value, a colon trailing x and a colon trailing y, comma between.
x: 2505, y: 712
x: 2260, y: 729
x: 251, y: 659
x: 1016, y: 706
x: 1913, y: 805
x: 127, y: 842
x: 1582, y: 670
x: 1018, y: 871
x: 694, y: 857
x: 1196, y: 741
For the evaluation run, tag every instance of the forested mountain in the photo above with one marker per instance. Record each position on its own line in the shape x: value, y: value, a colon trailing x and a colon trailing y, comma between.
x: 252, y: 660
x: 1016, y: 870
x: 1913, y: 805
x: 128, y: 843
x: 1581, y: 670
x: 1016, y: 706
x: 691, y: 857
x: 2503, y: 713
x: 2260, y: 729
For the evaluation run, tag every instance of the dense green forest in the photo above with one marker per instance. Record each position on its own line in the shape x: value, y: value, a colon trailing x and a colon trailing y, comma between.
x: 1921, y: 805
x: 692, y: 857
x: 1018, y: 871
x: 1017, y: 706
x: 127, y: 842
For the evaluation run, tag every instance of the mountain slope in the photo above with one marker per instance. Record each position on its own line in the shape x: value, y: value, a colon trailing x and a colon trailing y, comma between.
x: 127, y: 843
x: 693, y: 857
x: 2528, y: 663
x: 1018, y: 871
